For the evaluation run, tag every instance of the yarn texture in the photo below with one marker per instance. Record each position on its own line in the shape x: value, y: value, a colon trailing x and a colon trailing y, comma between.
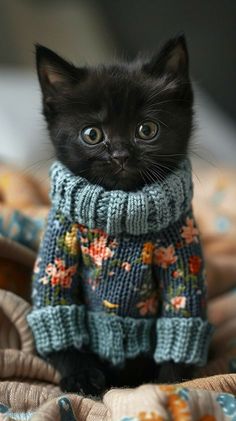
x: 122, y: 273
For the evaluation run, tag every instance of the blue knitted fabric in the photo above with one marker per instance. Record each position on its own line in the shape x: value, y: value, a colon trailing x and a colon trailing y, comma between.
x: 122, y: 273
x: 20, y: 228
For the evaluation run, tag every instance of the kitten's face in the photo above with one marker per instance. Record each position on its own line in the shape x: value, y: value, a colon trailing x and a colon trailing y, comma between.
x: 120, y: 126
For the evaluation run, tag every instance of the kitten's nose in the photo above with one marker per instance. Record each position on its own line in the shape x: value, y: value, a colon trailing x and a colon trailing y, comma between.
x: 120, y: 158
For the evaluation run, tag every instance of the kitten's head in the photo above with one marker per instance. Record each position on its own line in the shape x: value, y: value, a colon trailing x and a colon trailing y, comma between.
x: 120, y: 126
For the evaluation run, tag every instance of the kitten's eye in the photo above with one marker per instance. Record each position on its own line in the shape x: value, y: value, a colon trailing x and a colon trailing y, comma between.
x: 92, y: 135
x: 147, y: 130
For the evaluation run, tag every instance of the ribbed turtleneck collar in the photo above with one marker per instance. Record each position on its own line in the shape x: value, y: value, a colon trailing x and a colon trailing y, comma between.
x: 149, y: 210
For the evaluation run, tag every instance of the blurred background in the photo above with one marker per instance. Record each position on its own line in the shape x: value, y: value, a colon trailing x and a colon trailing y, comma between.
x: 94, y: 31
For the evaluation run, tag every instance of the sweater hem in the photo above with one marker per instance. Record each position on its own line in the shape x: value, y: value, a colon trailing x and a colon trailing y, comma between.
x: 111, y: 337
x: 117, y: 338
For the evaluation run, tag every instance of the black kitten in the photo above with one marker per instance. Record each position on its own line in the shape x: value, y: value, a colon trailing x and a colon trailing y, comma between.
x: 123, y: 125
x: 120, y: 126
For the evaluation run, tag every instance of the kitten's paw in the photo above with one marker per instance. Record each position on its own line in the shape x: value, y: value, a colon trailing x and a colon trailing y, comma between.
x: 85, y: 382
x: 171, y: 372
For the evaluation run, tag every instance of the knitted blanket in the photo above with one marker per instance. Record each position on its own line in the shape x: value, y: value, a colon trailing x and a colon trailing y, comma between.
x: 28, y: 386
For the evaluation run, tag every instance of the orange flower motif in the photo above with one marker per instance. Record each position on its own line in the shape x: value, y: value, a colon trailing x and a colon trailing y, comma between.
x: 195, y: 263
x: 178, y: 302
x: 149, y: 416
x: 207, y: 418
x: 148, y: 306
x: 168, y: 388
x: 98, y: 250
x: 147, y: 253
x: 58, y: 274
x: 178, y: 408
x: 190, y: 232
x: 126, y: 266
x: 165, y: 256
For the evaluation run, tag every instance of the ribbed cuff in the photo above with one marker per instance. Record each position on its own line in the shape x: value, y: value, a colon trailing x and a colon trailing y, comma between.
x: 111, y: 337
x: 57, y: 328
x: 182, y: 340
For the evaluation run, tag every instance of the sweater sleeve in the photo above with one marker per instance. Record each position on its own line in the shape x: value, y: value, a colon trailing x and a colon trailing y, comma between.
x: 183, y: 332
x: 57, y: 318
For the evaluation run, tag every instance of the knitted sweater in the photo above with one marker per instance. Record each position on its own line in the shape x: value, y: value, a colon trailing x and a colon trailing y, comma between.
x: 121, y: 272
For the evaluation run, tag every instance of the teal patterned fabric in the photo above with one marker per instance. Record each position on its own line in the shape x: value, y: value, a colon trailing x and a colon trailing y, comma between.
x: 121, y: 283
x: 21, y: 228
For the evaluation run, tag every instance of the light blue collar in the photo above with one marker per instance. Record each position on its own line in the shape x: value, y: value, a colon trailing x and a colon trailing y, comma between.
x: 149, y: 210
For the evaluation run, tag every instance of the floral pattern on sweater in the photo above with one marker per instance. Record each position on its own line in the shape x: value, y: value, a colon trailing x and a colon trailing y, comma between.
x: 132, y: 276
x: 136, y: 276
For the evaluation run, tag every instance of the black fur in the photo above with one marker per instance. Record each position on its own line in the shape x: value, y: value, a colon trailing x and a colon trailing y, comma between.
x: 116, y: 98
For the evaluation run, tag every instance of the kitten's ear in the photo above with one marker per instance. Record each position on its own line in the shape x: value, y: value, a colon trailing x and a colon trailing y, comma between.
x: 171, y: 60
x: 55, y: 74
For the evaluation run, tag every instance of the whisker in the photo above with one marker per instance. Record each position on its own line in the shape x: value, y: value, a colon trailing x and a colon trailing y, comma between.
x: 170, y: 86
x: 159, y: 175
x: 155, y: 110
x: 175, y: 154
x: 172, y: 100
x: 142, y: 176
x: 203, y: 159
x: 37, y: 165
x: 149, y: 177
x: 162, y: 166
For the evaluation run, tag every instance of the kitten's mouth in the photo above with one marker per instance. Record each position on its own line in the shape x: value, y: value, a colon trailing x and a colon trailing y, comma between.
x: 120, y: 170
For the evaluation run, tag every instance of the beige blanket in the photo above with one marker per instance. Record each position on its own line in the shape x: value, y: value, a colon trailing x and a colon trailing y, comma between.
x: 29, y: 387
